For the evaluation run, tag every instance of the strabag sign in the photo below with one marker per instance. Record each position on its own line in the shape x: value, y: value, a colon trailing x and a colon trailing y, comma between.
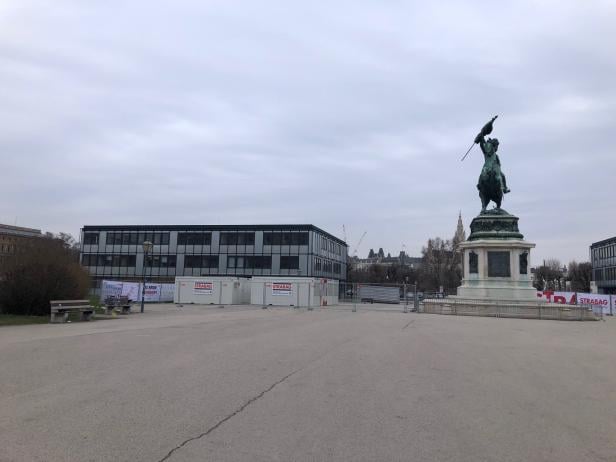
x: 599, y: 302
x: 204, y: 287
x: 281, y: 288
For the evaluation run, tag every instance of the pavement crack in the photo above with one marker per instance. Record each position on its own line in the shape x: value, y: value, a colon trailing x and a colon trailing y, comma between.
x: 408, y: 324
x: 253, y: 399
x: 233, y: 414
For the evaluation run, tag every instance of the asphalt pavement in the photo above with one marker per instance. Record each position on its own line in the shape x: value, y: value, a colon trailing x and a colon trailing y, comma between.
x: 281, y: 384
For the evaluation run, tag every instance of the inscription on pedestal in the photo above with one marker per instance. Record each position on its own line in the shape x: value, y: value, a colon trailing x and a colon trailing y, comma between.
x: 524, y: 263
x: 473, y: 262
x: 499, y: 265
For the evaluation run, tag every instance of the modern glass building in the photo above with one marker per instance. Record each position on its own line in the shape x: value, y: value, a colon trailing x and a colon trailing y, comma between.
x: 116, y: 252
x: 603, y: 258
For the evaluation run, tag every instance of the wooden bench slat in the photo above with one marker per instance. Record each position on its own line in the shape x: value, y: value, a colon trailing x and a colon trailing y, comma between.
x: 69, y: 301
x: 68, y: 308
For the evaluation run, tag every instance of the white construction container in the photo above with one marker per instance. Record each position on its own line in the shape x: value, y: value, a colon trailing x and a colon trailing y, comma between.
x: 221, y: 290
x: 293, y: 291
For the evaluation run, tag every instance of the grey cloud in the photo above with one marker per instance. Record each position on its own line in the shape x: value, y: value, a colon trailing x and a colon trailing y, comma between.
x: 327, y: 113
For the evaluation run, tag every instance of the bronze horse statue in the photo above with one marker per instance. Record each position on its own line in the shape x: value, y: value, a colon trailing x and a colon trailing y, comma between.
x: 492, y: 184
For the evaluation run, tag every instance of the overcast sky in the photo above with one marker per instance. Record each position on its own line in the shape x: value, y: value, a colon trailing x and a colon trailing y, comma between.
x: 323, y: 112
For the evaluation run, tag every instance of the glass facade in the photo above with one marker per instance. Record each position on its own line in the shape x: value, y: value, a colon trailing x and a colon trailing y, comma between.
x: 116, y: 252
x: 603, y: 259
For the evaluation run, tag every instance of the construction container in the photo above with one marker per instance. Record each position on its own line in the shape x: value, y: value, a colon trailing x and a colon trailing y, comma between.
x: 221, y: 290
x: 293, y: 291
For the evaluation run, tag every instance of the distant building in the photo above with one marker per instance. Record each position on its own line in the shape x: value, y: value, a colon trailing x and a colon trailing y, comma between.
x: 116, y: 252
x: 603, y: 260
x: 11, y: 237
x: 402, y: 260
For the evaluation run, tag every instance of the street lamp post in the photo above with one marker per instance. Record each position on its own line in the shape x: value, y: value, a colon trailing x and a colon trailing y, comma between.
x: 406, y: 302
x: 147, y: 248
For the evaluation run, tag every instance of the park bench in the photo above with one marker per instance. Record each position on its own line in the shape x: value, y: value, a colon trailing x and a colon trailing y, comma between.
x: 121, y: 303
x: 60, y: 310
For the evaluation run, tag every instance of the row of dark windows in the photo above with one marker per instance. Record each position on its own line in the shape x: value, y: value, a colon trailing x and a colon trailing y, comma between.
x: 108, y: 260
x: 189, y: 238
x: 605, y: 274
x: 7, y: 248
x: 136, y: 238
x: 327, y: 266
x: 205, y: 238
x: 249, y: 261
x: 153, y: 261
x: 604, y: 252
x: 237, y: 238
x: 193, y: 261
x: 157, y: 238
x: 200, y: 261
x: 331, y: 246
x: 162, y: 261
x: 285, y: 238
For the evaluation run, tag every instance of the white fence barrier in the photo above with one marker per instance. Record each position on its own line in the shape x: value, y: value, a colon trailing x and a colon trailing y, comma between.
x: 153, y: 292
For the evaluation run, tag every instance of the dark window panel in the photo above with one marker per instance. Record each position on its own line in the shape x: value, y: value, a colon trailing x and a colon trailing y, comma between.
x: 286, y: 238
x: 237, y: 238
x: 187, y: 238
x: 249, y: 261
x: 90, y: 238
x: 201, y: 261
x: 289, y: 262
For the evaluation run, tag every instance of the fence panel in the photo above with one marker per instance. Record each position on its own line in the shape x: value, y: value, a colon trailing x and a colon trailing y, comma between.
x: 510, y: 309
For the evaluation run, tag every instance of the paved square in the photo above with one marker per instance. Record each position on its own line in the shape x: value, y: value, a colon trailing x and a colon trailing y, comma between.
x: 245, y: 384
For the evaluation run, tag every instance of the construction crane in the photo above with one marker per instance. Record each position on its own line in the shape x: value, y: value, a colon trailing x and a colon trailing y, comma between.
x: 354, y: 254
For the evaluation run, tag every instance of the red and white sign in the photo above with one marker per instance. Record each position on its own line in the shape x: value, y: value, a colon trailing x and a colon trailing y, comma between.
x: 281, y: 288
x: 597, y: 301
x: 204, y: 287
x: 564, y: 298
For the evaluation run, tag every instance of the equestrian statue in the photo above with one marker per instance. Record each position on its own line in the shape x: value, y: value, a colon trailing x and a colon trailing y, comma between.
x: 492, y: 184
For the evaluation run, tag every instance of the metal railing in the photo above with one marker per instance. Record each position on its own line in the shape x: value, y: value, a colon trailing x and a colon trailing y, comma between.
x: 510, y: 309
x: 382, y: 297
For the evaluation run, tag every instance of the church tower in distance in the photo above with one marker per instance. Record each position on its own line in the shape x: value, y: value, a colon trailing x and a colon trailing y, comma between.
x: 460, y: 235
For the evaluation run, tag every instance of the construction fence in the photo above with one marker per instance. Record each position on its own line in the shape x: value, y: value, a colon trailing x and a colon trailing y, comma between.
x: 512, y: 309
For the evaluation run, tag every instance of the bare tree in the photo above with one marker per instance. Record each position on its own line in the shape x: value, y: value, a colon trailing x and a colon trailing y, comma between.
x: 44, y: 269
x: 550, y: 275
x: 440, y: 266
x: 580, y: 275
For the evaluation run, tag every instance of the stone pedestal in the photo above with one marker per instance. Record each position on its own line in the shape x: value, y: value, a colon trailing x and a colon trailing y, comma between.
x: 496, y: 260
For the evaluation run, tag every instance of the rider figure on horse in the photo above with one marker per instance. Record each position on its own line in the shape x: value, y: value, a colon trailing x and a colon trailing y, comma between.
x: 489, y: 149
x: 492, y: 183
